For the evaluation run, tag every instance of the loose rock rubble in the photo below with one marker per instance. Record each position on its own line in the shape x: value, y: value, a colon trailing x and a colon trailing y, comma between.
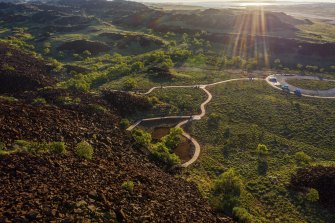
x: 65, y: 188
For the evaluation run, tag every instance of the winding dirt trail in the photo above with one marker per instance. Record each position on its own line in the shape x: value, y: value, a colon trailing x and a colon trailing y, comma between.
x: 187, y: 119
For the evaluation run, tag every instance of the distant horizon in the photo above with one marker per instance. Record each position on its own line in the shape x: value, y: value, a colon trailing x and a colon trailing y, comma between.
x: 237, y: 1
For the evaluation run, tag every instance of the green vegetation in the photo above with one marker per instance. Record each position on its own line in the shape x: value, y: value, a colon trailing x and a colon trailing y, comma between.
x: 68, y: 100
x: 242, y: 215
x: 40, y: 147
x: 312, y: 195
x: 7, y: 67
x: 128, y: 185
x: 253, y: 115
x: 8, y: 98
x: 312, y: 84
x: 317, y: 31
x: 124, y: 123
x: 163, y: 150
x: 302, y: 158
x: 39, y: 101
x: 84, y: 150
x: 226, y: 191
x: 253, y: 138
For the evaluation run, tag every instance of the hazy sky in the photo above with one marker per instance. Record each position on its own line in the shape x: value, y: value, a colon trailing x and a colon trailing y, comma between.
x: 223, y: 1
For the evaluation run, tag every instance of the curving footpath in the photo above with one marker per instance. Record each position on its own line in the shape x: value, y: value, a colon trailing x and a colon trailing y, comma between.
x: 187, y: 119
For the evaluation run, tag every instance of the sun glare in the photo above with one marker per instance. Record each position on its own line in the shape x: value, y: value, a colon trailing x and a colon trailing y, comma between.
x: 251, y: 28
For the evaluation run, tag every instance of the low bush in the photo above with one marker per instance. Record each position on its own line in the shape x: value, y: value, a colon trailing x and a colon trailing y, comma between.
x: 162, y: 153
x: 242, y: 215
x: 57, y: 147
x: 39, y: 101
x: 124, y: 123
x: 302, y: 158
x: 84, y: 150
x: 128, y: 185
x: 312, y: 195
x: 142, y: 138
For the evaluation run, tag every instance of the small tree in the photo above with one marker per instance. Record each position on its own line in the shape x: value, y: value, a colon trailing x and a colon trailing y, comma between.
x: 262, y: 150
x: 226, y: 191
x: 172, y: 139
x: 312, y: 195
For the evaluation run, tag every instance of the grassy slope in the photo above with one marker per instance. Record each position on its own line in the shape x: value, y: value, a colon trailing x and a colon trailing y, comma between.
x: 255, y: 113
x: 317, y: 31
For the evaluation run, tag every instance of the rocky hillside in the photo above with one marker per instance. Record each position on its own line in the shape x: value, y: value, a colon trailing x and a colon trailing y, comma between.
x: 21, y: 72
x: 119, y: 184
x: 319, y: 177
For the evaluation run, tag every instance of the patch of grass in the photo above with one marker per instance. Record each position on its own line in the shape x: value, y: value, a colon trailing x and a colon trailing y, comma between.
x: 68, y: 100
x: 318, y: 31
x: 8, y: 98
x: 40, y: 147
x: 39, y: 101
x: 312, y: 84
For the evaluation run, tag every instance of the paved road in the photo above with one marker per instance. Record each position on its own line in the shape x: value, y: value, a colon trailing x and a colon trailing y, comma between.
x: 186, y: 119
x: 281, y: 79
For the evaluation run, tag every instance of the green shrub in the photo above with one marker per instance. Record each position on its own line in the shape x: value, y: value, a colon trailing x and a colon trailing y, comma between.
x: 128, y: 185
x: 57, y: 147
x: 98, y: 108
x: 69, y: 100
x: 162, y: 153
x: 312, y: 195
x: 124, y: 123
x: 173, y: 138
x: 84, y: 149
x: 142, y: 138
x: 262, y: 150
x: 242, y: 215
x: 302, y: 158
